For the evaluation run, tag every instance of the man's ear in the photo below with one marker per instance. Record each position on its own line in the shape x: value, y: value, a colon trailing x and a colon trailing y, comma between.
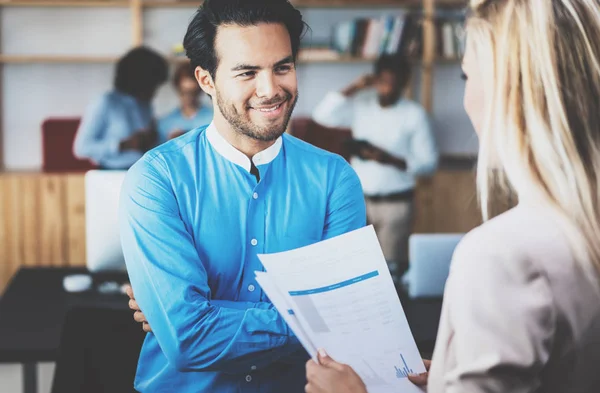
x: 205, y: 81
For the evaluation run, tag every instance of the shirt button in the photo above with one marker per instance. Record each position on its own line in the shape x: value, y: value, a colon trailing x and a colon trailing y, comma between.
x: 254, y: 242
x: 253, y: 368
x: 255, y: 195
x: 248, y: 378
x: 251, y: 288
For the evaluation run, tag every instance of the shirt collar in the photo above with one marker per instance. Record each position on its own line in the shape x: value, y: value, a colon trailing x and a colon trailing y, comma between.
x: 232, y: 154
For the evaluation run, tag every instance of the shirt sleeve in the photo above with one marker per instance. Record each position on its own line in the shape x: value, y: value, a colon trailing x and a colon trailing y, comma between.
x: 171, y: 286
x: 91, y: 141
x: 346, y: 209
x: 334, y: 111
x: 501, y: 312
x: 423, y: 155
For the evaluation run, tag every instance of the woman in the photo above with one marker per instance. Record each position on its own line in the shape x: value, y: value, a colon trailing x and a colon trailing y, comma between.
x: 522, y: 304
x: 190, y: 114
x: 118, y: 127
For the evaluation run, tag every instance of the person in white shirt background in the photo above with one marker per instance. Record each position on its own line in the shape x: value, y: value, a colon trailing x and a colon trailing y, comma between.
x: 521, y: 310
x: 392, y: 145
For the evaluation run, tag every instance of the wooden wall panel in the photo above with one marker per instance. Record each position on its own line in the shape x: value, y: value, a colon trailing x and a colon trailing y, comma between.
x: 455, y: 202
x: 12, y: 253
x: 28, y: 200
x: 6, y: 253
x: 75, y: 191
x: 53, y: 220
x: 446, y: 203
x: 42, y: 221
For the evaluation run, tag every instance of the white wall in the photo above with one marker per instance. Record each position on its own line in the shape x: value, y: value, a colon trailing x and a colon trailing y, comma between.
x: 33, y: 92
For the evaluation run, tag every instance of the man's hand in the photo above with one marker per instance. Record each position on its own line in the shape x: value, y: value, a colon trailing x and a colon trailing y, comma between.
x: 373, y: 153
x: 421, y: 379
x: 360, y: 84
x: 364, y: 81
x: 330, y: 376
x: 376, y: 154
x: 138, y: 316
x: 141, y: 141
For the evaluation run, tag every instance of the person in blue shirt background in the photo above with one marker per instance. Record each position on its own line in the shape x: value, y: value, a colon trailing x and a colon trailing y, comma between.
x: 197, y: 210
x: 191, y: 113
x: 118, y: 127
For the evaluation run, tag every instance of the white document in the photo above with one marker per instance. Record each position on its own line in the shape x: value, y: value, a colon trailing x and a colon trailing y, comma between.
x: 281, y: 304
x: 343, y: 300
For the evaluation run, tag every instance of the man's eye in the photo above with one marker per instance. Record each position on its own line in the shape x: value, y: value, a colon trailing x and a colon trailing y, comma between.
x: 283, y: 69
x: 248, y: 74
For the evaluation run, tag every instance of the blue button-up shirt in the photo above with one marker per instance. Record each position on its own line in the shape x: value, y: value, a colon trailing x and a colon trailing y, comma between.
x: 109, y: 120
x: 193, y: 219
x: 176, y: 120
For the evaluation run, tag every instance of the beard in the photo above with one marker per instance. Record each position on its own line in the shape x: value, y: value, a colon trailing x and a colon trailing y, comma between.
x: 389, y: 99
x: 242, y: 123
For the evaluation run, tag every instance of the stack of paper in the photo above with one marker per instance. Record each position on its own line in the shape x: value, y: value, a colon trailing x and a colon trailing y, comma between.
x: 338, y: 295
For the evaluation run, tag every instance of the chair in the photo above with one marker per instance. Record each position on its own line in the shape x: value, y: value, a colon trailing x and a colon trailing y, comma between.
x: 98, y: 352
x: 430, y: 256
x: 58, y: 135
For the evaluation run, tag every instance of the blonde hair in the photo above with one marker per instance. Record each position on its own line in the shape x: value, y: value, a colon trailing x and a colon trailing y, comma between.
x: 540, y: 60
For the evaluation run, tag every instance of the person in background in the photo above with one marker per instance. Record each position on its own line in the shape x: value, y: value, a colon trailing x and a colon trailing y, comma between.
x: 118, y: 127
x: 191, y: 113
x: 521, y: 309
x: 195, y: 212
x: 393, y: 144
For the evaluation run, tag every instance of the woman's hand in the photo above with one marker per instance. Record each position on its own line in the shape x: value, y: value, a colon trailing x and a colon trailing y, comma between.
x: 421, y: 379
x: 330, y: 376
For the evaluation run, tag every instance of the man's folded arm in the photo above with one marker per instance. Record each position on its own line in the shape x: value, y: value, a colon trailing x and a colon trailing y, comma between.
x: 171, y: 287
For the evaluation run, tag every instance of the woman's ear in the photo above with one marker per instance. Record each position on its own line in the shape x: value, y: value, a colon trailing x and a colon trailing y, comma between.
x: 205, y: 81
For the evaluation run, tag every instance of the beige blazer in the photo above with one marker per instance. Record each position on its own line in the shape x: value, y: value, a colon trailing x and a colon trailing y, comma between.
x: 520, y: 314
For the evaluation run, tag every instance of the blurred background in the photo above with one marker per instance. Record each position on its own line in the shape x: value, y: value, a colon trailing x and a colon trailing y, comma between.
x: 56, y: 57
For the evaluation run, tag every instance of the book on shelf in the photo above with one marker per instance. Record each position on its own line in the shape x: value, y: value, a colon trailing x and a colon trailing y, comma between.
x: 451, y: 35
x: 373, y: 37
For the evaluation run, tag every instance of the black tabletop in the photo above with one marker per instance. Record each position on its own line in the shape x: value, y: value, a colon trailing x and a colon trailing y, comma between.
x: 34, y: 305
x: 33, y: 308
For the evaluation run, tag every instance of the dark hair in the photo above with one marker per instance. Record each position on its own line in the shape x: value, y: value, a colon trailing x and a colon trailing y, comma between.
x: 398, y: 65
x: 199, y: 41
x: 183, y: 70
x: 139, y: 71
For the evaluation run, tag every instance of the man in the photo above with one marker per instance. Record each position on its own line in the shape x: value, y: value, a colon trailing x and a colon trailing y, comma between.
x: 190, y: 113
x: 197, y: 210
x: 393, y: 144
x: 118, y: 128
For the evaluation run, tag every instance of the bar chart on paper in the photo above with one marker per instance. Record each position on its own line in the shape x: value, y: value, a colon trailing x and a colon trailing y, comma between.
x: 404, y: 371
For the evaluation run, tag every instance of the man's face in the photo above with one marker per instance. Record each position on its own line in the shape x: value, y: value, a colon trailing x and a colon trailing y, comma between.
x: 255, y: 82
x: 386, y: 84
x: 189, y: 92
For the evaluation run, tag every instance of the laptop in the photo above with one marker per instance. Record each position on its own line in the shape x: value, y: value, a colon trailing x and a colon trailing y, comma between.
x: 103, y: 243
x: 430, y: 256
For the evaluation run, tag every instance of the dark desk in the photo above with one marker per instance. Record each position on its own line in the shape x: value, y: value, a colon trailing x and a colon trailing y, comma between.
x: 32, y: 311
x: 34, y: 306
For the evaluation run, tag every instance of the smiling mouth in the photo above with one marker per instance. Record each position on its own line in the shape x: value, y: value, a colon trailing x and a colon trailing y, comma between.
x: 271, y: 109
x: 268, y: 109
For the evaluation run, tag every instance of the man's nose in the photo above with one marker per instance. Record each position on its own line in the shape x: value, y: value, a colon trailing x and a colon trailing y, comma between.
x: 266, y: 85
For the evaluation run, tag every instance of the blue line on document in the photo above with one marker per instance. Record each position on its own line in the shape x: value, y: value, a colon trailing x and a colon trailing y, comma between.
x: 351, y: 281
